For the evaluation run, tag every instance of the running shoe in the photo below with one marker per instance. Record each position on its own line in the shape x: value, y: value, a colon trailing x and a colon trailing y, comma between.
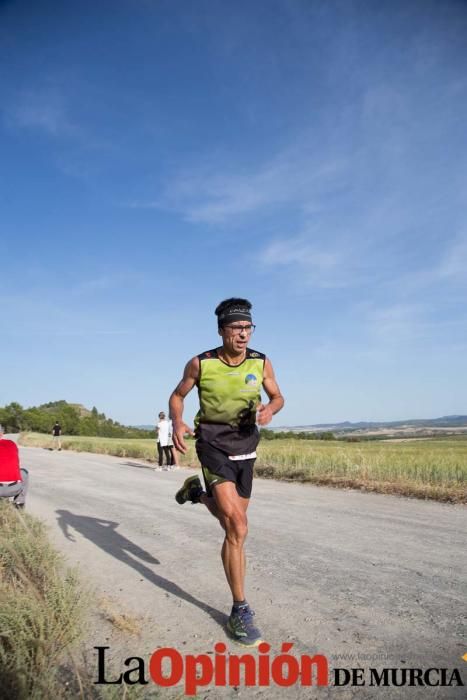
x: 243, y: 628
x: 190, y: 491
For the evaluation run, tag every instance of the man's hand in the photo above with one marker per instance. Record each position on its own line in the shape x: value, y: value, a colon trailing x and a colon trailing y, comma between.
x: 263, y: 414
x: 276, y: 400
x: 180, y: 429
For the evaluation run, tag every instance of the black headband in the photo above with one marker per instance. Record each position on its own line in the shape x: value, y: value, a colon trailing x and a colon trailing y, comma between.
x: 234, y: 313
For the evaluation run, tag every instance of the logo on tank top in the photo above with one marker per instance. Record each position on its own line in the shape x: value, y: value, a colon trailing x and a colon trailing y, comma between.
x: 251, y: 380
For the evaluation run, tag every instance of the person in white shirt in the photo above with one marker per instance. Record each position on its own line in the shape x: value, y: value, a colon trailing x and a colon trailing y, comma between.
x: 164, y: 435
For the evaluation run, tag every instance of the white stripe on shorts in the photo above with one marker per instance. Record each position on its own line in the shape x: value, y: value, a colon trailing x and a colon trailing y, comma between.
x: 237, y: 458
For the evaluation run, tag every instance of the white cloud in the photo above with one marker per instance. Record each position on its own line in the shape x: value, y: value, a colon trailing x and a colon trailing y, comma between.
x: 454, y: 264
x: 395, y: 322
x: 43, y: 110
x: 389, y: 326
x: 211, y: 194
x: 99, y: 284
x: 316, y: 267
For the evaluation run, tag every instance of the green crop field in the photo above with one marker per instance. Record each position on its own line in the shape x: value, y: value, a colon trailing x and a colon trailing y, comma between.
x: 432, y: 468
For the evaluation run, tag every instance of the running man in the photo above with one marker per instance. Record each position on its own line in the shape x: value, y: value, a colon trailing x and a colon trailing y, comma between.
x: 229, y: 380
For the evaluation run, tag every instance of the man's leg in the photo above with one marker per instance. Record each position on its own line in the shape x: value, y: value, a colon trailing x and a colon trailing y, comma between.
x: 8, y: 491
x: 211, y: 505
x: 213, y: 480
x: 160, y: 454
x: 13, y: 491
x: 20, y: 499
x: 230, y: 509
x: 174, y: 456
x: 232, y: 516
x: 168, y: 458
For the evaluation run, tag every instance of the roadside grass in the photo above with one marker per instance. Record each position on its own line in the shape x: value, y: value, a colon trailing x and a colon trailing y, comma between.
x: 41, y: 619
x: 431, y: 468
x: 119, y: 447
x: 40, y: 607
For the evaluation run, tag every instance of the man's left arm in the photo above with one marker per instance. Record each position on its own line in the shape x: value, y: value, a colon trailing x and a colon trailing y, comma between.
x: 276, y: 400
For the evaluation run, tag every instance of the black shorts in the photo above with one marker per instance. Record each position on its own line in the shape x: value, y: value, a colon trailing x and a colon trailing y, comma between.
x: 217, y: 468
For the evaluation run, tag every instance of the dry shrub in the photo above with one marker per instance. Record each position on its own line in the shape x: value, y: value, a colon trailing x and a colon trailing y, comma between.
x: 40, y: 610
x: 41, y: 613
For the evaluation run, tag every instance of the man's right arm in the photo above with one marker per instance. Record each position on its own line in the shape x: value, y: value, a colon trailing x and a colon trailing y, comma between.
x: 189, y: 380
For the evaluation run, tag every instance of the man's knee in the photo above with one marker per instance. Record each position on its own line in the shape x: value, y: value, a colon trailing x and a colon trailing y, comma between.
x: 236, y: 526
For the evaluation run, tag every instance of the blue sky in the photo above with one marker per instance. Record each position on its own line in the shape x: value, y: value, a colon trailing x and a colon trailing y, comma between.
x: 157, y: 157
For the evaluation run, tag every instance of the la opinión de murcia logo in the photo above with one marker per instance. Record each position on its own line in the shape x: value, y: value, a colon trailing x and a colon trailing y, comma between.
x: 397, y: 677
x: 167, y: 667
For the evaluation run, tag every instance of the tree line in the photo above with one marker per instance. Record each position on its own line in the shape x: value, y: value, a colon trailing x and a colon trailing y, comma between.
x: 73, y: 421
x: 296, y: 435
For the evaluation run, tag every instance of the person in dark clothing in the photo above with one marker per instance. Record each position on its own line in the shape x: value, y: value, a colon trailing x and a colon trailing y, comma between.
x: 56, y: 436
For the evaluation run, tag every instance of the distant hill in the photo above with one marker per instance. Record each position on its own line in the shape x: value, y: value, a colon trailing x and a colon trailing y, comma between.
x: 82, y: 410
x: 74, y: 418
x: 53, y: 406
x: 455, y: 421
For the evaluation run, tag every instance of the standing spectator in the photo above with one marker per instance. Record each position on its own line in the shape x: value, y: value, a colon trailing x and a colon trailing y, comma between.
x: 163, y: 429
x: 56, y: 433
x: 13, y: 479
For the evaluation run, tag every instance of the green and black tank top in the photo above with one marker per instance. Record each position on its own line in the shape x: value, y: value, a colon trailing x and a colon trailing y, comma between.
x: 228, y: 397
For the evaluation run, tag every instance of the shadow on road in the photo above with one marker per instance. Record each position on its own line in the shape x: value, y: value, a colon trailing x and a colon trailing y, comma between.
x: 104, y: 534
x: 138, y: 465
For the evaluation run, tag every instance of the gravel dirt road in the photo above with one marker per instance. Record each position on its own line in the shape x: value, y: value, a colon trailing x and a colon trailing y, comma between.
x: 371, y: 581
